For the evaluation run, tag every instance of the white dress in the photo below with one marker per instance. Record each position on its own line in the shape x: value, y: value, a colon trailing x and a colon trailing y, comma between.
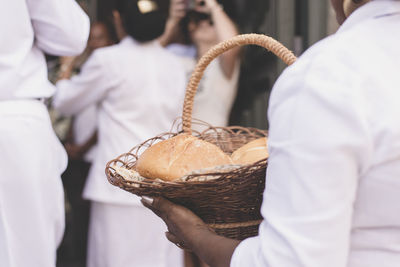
x: 139, y: 91
x: 32, y: 159
x: 333, y: 180
x: 216, y: 93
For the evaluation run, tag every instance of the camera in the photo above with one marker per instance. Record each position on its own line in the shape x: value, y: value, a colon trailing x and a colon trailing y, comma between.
x: 192, y: 4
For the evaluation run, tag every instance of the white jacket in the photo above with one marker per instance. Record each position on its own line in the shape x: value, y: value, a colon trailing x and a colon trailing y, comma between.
x: 139, y: 91
x: 333, y: 180
x: 30, y: 28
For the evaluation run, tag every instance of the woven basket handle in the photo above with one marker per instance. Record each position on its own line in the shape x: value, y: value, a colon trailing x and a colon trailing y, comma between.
x: 245, y: 39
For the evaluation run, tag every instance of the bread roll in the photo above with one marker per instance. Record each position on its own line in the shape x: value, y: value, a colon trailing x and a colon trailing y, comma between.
x: 173, y: 158
x: 251, y: 152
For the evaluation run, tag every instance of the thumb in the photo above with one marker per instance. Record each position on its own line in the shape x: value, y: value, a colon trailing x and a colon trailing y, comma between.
x: 158, y: 205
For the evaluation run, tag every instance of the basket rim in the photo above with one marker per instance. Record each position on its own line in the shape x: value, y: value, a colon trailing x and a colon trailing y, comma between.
x: 159, y: 182
x: 112, y: 174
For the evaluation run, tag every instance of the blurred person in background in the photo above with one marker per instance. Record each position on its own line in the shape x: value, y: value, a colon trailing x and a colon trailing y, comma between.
x: 193, y: 27
x: 101, y: 35
x: 32, y: 159
x: 332, y: 186
x: 80, y: 145
x: 138, y: 88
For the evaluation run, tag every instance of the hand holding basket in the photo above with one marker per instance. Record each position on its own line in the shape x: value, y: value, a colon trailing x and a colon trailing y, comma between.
x: 228, y: 201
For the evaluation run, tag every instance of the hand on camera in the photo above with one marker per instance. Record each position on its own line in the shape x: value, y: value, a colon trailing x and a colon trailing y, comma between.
x: 206, y: 6
x: 177, y: 10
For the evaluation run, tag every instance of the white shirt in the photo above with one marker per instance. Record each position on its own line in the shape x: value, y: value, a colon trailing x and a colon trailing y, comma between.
x: 29, y: 28
x: 333, y: 180
x: 139, y: 90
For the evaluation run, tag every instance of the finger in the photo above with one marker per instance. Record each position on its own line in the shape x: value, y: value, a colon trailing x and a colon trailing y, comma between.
x: 147, y: 200
x: 162, y: 205
x: 172, y: 238
x: 180, y: 5
x: 148, y: 203
x: 201, y: 9
x: 178, y: 9
x: 179, y: 243
x: 180, y: 14
x: 159, y: 205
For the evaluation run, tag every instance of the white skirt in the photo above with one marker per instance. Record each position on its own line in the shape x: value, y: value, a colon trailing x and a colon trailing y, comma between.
x: 31, y: 194
x: 129, y: 236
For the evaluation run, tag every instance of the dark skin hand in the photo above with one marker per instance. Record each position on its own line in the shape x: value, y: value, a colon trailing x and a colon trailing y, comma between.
x: 189, y: 232
x: 74, y: 151
x: 77, y: 151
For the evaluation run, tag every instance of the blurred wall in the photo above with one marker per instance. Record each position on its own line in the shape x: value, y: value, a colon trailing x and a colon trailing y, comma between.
x: 260, y: 68
x: 298, y: 24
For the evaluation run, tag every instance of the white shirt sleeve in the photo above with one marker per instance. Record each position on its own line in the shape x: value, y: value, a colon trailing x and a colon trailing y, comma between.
x: 89, y: 87
x: 61, y: 27
x: 319, y: 147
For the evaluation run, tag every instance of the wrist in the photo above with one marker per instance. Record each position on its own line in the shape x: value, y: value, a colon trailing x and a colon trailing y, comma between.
x: 199, y: 236
x: 221, y: 251
x: 65, y: 71
x: 201, y: 241
x: 62, y: 75
x: 172, y: 21
x: 65, y: 68
x: 83, y: 149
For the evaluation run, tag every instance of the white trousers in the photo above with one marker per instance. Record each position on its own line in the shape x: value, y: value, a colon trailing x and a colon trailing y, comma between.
x: 31, y: 194
x: 129, y: 236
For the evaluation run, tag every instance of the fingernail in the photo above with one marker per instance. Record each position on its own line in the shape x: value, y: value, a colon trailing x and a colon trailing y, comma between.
x: 148, y: 200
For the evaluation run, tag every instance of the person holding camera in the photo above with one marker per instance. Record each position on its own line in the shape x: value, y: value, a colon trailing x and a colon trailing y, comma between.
x: 201, y: 25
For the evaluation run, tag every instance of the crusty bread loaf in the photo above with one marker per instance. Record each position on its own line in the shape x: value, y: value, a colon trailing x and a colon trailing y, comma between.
x: 173, y: 158
x: 251, y: 152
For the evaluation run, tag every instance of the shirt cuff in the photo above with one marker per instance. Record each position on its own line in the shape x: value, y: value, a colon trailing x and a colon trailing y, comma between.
x: 248, y: 253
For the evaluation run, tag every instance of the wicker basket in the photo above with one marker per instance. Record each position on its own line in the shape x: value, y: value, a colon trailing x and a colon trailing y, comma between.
x: 230, y: 202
